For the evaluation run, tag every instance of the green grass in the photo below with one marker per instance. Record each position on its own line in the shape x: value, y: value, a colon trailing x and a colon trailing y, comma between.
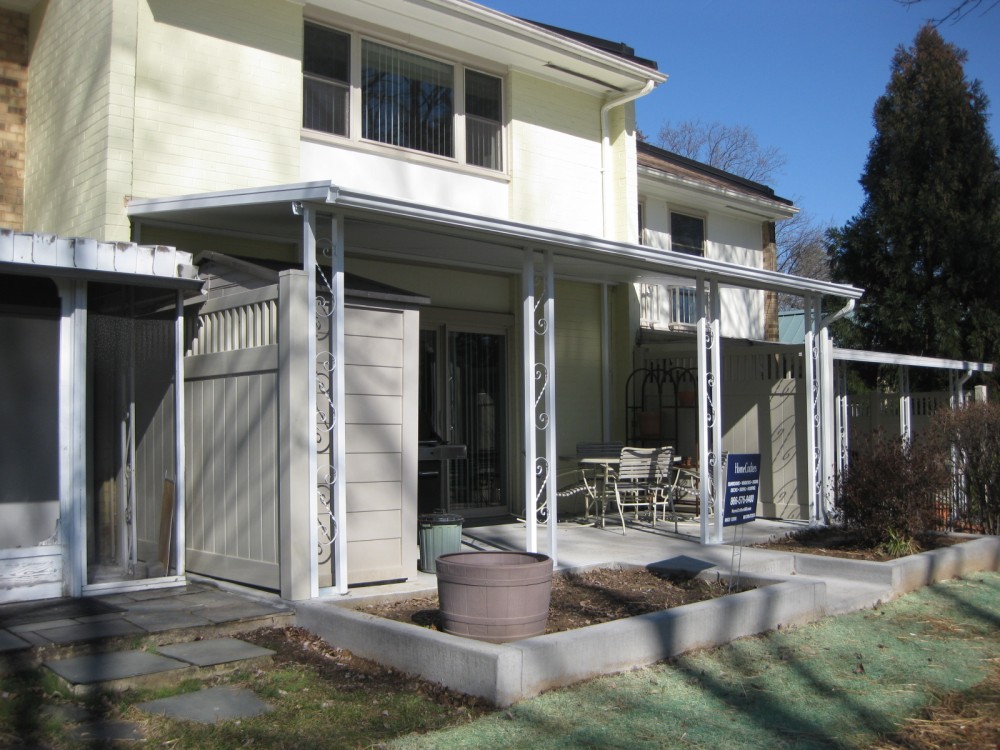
x: 841, y: 683
x: 316, y: 705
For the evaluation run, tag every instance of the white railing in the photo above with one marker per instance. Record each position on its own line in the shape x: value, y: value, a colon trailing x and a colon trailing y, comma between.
x: 239, y: 321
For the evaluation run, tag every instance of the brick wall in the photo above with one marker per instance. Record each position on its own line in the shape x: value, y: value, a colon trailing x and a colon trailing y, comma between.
x: 13, y: 104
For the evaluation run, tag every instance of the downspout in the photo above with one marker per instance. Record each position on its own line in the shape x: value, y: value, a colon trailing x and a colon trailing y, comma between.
x: 959, y: 397
x: 834, y: 317
x: 606, y: 191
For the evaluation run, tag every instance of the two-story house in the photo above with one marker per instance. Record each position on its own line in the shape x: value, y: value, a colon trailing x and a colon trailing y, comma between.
x: 420, y: 253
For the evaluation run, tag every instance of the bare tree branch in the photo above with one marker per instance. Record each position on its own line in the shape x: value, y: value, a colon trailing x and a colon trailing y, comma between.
x: 958, y: 11
x: 731, y: 148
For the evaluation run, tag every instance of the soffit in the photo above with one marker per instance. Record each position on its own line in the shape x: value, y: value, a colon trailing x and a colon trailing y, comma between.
x: 485, y: 33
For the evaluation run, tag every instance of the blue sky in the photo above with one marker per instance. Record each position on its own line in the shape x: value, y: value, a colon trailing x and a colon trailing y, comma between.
x: 802, y: 74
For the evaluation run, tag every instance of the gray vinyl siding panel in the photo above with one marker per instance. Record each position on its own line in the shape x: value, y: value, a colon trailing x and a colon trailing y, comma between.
x: 232, y: 475
x: 374, y: 381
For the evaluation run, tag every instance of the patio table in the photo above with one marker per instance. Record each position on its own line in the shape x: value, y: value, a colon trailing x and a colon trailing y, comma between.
x: 604, y: 466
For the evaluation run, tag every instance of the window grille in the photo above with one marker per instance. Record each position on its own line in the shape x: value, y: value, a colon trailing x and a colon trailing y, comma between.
x: 683, y: 305
x: 687, y: 234
x: 326, y: 80
x: 407, y: 100
x: 483, y: 120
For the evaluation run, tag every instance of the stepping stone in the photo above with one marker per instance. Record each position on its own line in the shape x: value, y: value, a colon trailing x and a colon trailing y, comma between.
x: 10, y: 642
x: 90, y: 631
x: 213, y: 652
x: 102, y: 732
x: 95, y: 669
x: 209, y: 706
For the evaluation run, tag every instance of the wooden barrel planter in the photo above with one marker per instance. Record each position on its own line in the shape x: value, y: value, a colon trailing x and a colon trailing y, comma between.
x: 494, y: 596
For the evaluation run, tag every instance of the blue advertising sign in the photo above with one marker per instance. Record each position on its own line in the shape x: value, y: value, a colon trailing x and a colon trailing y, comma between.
x: 742, y: 486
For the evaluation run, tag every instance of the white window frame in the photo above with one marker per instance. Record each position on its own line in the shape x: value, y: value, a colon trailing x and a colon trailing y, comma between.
x: 459, y: 69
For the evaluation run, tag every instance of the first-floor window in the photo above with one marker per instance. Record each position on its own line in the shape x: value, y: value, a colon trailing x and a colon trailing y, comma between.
x: 683, y: 305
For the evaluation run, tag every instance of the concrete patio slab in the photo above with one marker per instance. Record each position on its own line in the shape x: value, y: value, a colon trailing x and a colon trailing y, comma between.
x: 160, y: 622
x: 215, y: 651
x: 209, y: 706
x: 241, y: 609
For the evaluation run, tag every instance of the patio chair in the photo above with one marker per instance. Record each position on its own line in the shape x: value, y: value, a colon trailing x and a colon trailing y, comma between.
x: 640, y: 478
x: 569, y: 484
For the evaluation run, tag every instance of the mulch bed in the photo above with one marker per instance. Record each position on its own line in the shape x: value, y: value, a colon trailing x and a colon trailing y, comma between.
x: 836, y: 542
x: 583, y: 599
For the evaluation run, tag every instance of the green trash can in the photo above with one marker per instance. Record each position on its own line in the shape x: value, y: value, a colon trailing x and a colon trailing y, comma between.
x: 437, y: 534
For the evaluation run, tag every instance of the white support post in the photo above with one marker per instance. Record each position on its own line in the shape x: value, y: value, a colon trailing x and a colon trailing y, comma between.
x: 73, y: 433
x: 180, y: 444
x: 309, y: 266
x: 709, y: 426
x: 549, y: 339
x: 843, y: 420
x: 828, y: 421
x: 905, y: 406
x: 340, y: 403
x: 528, y: 376
x: 605, y: 365
x: 715, y: 358
x: 813, y: 440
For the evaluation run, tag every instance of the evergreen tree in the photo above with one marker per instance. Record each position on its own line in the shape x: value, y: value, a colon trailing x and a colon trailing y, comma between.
x: 926, y: 243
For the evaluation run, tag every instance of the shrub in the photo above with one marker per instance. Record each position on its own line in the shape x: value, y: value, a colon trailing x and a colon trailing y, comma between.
x: 887, y: 494
x: 971, y: 436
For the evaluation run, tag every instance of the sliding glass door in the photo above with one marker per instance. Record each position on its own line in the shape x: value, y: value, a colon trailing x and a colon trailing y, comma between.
x: 463, y: 392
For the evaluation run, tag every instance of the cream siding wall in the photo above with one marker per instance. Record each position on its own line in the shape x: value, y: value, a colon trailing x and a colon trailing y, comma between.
x: 556, y: 156
x: 728, y: 238
x: 624, y: 223
x: 460, y: 290
x: 218, y: 95
x: 79, y: 126
x: 578, y: 364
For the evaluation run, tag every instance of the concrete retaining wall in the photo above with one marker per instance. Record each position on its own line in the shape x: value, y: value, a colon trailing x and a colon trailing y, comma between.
x: 506, y: 673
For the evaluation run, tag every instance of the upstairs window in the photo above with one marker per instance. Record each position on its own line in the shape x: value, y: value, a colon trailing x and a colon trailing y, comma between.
x: 483, y: 120
x: 687, y: 234
x: 406, y: 99
x: 326, y: 84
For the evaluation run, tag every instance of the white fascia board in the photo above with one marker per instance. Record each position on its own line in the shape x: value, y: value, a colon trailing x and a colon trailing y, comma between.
x: 656, y: 183
x: 643, y: 260
x: 317, y: 191
x: 909, y: 360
